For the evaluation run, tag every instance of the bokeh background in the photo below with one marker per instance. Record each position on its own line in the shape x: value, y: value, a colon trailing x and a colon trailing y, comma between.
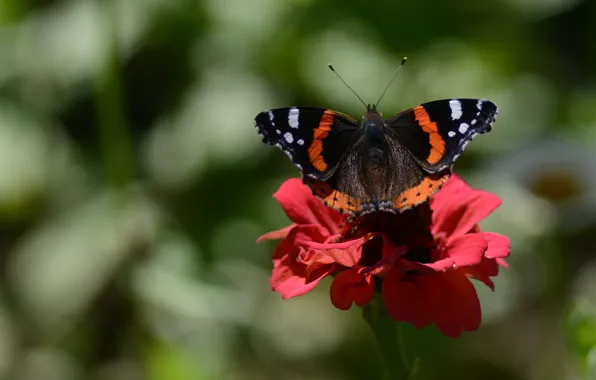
x: 133, y: 184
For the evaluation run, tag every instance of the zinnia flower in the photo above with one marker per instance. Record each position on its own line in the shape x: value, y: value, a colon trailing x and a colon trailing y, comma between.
x: 421, y: 260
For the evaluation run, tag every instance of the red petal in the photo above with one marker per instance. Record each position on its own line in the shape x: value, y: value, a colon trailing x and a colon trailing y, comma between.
x: 502, y: 263
x: 346, y: 253
x: 463, y: 251
x: 289, y: 277
x: 298, y: 234
x: 277, y: 234
x: 442, y: 265
x: 454, y: 187
x: 457, y: 208
x: 484, y: 271
x: 498, y: 245
x: 308, y: 232
x: 283, y: 248
x: 318, y: 263
x: 351, y: 287
x: 459, y: 307
x: 467, y: 250
x: 412, y: 299
x: 304, y: 208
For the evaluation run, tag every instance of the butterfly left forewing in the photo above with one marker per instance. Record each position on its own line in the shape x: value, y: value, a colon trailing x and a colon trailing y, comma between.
x: 436, y: 133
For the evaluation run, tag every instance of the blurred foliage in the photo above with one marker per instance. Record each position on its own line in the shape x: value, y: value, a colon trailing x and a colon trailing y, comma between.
x: 133, y: 184
x: 581, y: 324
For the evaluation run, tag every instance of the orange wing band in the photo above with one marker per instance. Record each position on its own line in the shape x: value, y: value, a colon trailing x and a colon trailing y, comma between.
x: 419, y: 194
x: 437, y: 143
x: 331, y: 197
x: 316, y: 147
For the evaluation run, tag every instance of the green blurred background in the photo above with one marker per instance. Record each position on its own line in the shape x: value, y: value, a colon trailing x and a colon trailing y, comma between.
x: 133, y: 184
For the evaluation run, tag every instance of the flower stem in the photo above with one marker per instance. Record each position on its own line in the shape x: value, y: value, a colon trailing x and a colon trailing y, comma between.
x: 114, y: 135
x: 389, y: 338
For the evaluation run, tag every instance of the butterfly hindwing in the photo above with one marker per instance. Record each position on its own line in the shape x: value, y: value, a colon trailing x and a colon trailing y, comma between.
x: 421, y: 191
x: 332, y: 197
x: 315, y: 139
x: 437, y: 132
x: 420, y: 186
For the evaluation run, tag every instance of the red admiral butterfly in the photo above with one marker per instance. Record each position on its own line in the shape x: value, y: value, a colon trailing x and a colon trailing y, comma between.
x: 376, y: 165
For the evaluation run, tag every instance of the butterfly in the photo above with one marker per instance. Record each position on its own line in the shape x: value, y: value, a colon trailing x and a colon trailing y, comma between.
x: 376, y: 164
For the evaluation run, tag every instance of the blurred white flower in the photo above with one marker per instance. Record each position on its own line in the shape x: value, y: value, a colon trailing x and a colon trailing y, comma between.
x: 558, y: 171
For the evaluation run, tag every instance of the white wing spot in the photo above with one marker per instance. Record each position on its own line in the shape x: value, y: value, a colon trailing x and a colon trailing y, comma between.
x: 463, y: 127
x: 278, y: 131
x: 271, y: 118
x: 289, y: 138
x: 300, y: 142
x: 479, y: 105
x: 293, y: 117
x: 473, y: 121
x: 451, y: 133
x: 455, y: 106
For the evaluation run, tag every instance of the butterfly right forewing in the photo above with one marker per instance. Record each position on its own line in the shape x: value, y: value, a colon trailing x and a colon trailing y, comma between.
x: 315, y: 139
x: 437, y: 132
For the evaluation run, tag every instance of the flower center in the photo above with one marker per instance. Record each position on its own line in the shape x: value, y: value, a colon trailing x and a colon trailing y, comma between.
x: 410, y: 228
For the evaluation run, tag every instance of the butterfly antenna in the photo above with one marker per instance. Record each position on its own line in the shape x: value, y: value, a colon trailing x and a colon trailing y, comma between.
x: 403, y: 61
x: 348, y: 86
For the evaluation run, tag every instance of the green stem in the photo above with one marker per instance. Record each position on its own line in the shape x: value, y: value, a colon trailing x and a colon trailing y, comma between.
x: 388, y: 335
x: 114, y: 137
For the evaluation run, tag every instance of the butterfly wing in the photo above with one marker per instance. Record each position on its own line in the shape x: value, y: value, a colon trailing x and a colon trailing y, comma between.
x: 437, y: 132
x: 315, y: 139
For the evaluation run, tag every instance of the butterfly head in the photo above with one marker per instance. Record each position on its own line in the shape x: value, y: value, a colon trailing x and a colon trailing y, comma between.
x: 373, y: 125
x: 372, y: 108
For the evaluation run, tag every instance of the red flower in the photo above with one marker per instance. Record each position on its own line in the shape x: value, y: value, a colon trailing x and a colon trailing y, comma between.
x: 422, y: 258
x: 309, y: 249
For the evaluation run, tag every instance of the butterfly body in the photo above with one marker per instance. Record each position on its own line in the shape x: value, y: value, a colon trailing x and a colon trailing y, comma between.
x: 376, y: 164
